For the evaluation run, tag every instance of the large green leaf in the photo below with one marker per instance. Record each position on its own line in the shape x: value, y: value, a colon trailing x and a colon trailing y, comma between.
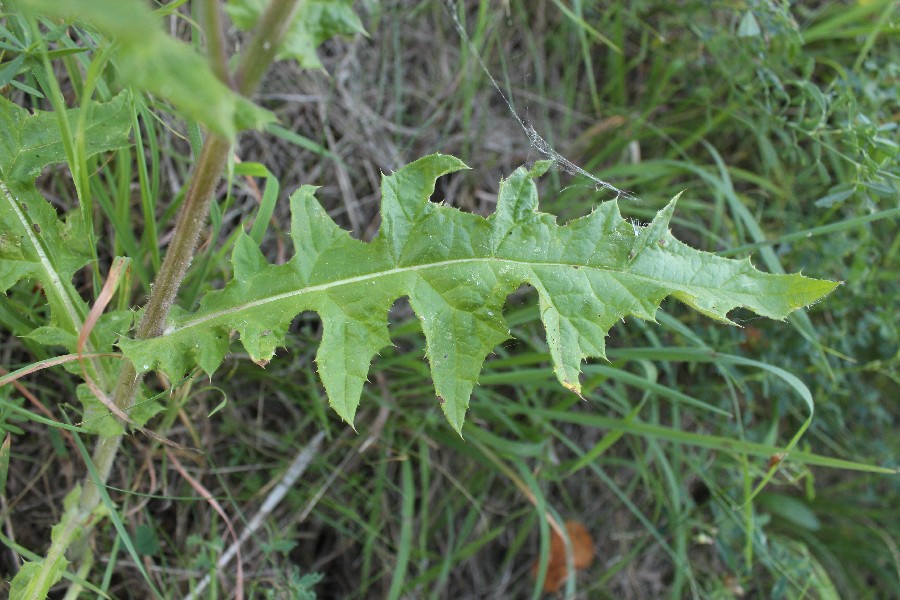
x: 149, y: 59
x: 34, y: 242
x: 37, y: 245
x: 457, y: 270
x: 315, y: 22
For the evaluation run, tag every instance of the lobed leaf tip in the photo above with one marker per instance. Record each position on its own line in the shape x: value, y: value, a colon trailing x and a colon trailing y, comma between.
x: 347, y: 415
x: 457, y: 427
x: 664, y: 216
x: 573, y: 387
x: 456, y: 421
x: 539, y: 168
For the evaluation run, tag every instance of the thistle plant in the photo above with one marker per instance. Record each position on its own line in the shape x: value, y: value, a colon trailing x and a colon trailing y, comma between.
x: 457, y: 269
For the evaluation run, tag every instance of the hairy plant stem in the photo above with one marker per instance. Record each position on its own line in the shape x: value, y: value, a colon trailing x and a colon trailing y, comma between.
x: 191, y: 220
x: 271, y: 29
x: 192, y: 217
x: 217, y: 56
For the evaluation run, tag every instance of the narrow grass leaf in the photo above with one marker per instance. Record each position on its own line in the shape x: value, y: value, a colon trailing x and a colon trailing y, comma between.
x: 404, y: 549
x: 714, y: 442
x: 269, y: 197
x: 4, y: 462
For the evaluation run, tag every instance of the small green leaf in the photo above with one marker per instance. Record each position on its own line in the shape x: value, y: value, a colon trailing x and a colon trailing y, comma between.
x: 34, y: 580
x: 791, y: 509
x: 11, y: 69
x: 749, y: 26
x: 32, y: 140
x: 315, y: 22
x: 20, y: 584
x: 48, y: 335
x: 145, y: 541
x: 457, y: 270
x: 34, y: 242
x: 96, y: 417
x: 144, y: 409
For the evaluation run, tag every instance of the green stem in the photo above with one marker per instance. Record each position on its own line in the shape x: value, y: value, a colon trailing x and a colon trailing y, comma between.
x: 191, y: 220
x: 272, y: 28
x: 215, y: 40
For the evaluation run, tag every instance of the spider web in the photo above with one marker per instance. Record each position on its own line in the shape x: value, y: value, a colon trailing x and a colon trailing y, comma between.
x: 536, y: 140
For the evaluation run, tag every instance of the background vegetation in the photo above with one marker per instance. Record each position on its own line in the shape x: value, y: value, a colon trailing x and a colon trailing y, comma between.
x: 778, y: 122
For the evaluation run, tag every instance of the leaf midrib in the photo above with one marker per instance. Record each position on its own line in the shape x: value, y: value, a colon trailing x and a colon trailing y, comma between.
x: 172, y: 330
x: 44, y: 259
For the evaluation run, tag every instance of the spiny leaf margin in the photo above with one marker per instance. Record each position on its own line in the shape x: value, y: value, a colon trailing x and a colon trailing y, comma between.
x: 457, y: 270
